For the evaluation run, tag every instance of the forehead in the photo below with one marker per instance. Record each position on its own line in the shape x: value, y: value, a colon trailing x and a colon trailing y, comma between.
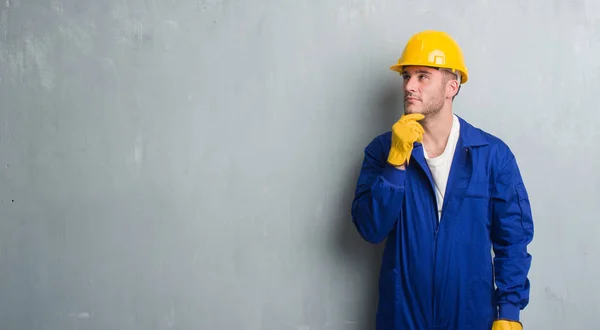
x: 419, y: 69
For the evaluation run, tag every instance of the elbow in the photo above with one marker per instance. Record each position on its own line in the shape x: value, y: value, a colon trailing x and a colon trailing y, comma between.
x: 370, y: 236
x: 368, y: 228
x: 374, y: 212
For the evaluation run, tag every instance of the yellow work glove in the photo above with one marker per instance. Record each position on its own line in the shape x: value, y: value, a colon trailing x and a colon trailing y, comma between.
x: 506, y: 325
x: 404, y: 133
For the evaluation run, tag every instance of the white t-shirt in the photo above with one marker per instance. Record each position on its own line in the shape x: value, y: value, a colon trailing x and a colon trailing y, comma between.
x: 440, y: 166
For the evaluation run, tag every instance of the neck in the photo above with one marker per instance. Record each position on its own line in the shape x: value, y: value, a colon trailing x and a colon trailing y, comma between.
x: 437, y: 130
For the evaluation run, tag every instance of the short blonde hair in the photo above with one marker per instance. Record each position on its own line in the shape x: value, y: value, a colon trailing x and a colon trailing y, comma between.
x: 455, y: 75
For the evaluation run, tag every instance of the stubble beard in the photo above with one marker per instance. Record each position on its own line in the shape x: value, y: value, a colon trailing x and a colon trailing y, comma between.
x: 432, y: 108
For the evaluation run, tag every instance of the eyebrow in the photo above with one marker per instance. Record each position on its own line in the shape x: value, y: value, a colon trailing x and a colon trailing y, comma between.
x: 418, y: 71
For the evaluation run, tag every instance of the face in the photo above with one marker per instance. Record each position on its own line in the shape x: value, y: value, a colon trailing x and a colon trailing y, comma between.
x: 425, y: 90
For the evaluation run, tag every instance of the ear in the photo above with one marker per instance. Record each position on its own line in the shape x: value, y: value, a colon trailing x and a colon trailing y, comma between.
x: 452, y: 88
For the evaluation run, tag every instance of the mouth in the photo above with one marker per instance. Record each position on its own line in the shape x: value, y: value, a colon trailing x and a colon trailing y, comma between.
x: 411, y: 99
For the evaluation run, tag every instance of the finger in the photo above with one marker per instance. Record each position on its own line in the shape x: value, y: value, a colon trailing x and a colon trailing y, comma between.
x: 412, y: 116
x: 418, y: 132
x: 420, y: 136
x: 418, y: 128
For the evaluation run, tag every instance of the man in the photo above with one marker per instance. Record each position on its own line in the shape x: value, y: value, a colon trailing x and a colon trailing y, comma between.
x: 443, y: 193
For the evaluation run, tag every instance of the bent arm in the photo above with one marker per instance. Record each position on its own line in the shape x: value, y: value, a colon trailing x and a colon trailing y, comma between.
x: 378, y: 197
x: 512, y: 231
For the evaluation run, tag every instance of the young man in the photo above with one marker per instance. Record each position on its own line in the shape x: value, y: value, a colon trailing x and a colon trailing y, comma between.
x: 443, y: 193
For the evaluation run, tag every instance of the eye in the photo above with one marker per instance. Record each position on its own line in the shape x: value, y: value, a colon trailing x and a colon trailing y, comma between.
x: 405, y: 77
x: 422, y: 76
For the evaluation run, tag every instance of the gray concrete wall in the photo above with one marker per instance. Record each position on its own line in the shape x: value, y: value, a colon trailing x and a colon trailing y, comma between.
x: 190, y: 164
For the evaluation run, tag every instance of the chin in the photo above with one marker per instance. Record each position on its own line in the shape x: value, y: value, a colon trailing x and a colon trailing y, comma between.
x: 409, y: 111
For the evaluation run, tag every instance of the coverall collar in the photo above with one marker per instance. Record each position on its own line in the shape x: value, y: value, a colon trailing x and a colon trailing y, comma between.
x: 469, y: 135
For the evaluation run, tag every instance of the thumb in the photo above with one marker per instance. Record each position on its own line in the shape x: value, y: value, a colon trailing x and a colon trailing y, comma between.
x: 419, y: 139
x: 412, y: 116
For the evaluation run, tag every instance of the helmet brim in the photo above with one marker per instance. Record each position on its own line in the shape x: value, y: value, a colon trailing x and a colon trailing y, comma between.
x: 399, y: 68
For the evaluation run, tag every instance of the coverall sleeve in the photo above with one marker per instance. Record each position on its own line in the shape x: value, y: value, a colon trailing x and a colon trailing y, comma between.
x: 512, y: 231
x: 379, y: 194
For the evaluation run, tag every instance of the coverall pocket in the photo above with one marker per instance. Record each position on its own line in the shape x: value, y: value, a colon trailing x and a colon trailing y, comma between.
x: 524, y: 205
x: 481, y: 311
x: 389, y: 300
x: 475, y: 211
x: 478, y: 190
x: 480, y: 289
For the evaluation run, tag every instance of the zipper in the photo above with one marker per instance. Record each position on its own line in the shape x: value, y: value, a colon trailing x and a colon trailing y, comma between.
x: 445, y: 204
x: 435, y: 245
x: 436, y: 228
x: 437, y: 219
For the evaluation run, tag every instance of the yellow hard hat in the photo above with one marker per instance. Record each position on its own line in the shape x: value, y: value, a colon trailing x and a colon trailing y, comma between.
x: 434, y: 49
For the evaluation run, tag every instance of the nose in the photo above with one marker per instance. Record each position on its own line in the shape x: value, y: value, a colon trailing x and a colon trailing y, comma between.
x: 410, y: 85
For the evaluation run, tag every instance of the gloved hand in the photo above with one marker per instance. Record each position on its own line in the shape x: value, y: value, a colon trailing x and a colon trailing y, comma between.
x: 506, y: 325
x: 404, y: 133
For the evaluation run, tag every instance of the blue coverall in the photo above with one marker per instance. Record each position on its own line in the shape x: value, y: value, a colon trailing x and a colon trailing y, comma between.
x: 440, y: 275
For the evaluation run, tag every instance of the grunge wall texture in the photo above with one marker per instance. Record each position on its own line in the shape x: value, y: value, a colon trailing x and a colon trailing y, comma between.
x: 190, y: 164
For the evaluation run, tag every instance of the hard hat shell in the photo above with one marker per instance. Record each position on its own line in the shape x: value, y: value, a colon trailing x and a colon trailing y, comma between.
x: 434, y: 49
